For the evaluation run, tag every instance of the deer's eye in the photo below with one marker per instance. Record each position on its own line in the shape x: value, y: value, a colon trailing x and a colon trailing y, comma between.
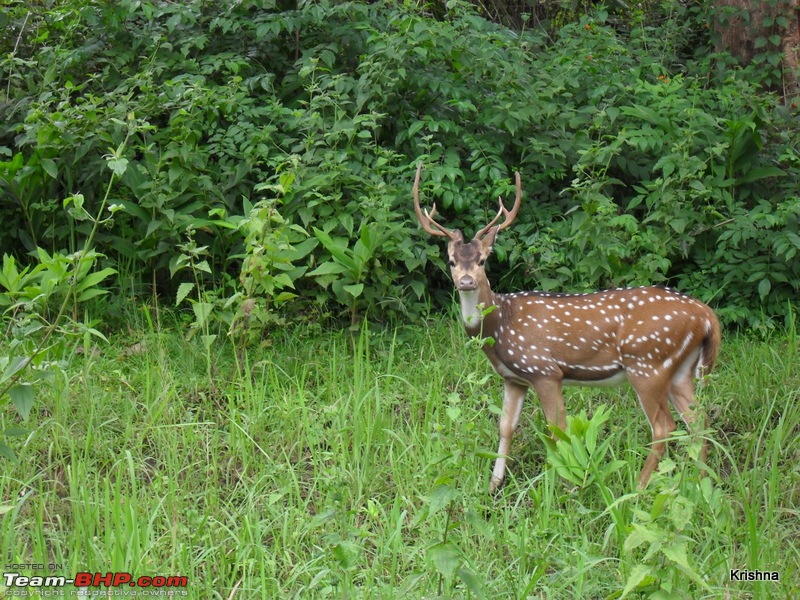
x: 452, y: 263
x: 481, y: 262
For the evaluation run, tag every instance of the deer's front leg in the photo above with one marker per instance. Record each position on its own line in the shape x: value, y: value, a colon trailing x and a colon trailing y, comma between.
x: 513, y: 396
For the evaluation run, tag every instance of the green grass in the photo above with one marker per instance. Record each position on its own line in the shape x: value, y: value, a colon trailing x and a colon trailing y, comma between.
x: 358, y: 468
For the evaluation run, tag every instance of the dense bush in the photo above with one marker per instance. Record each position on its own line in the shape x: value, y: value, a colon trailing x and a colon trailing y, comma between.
x: 283, y: 140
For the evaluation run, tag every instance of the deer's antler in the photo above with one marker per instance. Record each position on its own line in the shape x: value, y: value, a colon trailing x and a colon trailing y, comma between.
x: 509, y: 214
x: 425, y: 217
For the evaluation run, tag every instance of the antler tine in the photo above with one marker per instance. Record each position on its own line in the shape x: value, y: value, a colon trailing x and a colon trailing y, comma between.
x: 499, y: 214
x: 510, y: 215
x: 426, y: 217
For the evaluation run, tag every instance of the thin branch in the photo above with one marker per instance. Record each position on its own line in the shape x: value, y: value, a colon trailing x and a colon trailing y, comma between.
x: 14, y: 52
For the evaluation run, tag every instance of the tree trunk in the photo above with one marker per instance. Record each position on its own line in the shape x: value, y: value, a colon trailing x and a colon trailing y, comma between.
x: 750, y: 30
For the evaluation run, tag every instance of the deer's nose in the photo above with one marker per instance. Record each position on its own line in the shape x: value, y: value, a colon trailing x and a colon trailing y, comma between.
x: 467, y: 283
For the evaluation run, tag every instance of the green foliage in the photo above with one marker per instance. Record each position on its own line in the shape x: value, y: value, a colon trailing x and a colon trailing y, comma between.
x: 54, y: 279
x: 348, y: 268
x: 643, y: 160
x: 272, y: 247
x: 360, y: 477
x: 448, y: 507
x: 661, y: 543
x: 660, y: 173
x: 208, y: 304
x: 755, y: 33
x: 576, y: 455
x: 34, y: 300
x: 41, y: 305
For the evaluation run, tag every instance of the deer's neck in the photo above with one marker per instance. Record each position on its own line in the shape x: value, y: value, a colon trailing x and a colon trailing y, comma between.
x: 477, y: 314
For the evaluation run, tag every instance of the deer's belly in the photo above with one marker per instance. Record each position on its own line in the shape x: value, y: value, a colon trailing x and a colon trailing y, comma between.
x: 616, y: 378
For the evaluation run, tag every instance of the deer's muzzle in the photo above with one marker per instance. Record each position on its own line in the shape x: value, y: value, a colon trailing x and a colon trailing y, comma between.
x: 467, y: 283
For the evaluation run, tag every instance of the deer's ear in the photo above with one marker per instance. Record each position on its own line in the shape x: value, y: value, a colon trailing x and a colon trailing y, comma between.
x: 490, y: 237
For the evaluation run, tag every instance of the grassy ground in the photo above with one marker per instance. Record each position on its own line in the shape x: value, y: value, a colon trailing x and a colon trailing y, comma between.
x: 359, y: 470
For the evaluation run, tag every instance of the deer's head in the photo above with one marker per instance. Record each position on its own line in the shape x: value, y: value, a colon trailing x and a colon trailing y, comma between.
x: 467, y: 259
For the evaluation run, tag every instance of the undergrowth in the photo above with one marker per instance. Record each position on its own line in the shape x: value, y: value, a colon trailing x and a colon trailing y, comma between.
x: 332, y: 466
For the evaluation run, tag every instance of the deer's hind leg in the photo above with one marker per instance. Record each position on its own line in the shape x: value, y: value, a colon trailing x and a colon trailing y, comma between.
x: 653, y: 393
x: 681, y: 394
x: 552, y: 400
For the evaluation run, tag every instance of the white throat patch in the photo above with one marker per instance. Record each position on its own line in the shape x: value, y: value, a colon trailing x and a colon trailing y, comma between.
x: 469, y: 308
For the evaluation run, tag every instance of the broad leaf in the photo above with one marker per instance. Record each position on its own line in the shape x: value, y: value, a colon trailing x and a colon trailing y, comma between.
x: 441, y: 496
x: 21, y: 396
x: 473, y: 582
x: 760, y: 173
x: 445, y: 558
x: 355, y: 289
x: 328, y: 268
x: 12, y: 366
x: 49, y: 165
x: 7, y: 453
x: 201, y: 312
x: 638, y: 575
x: 118, y: 165
x: 183, y: 290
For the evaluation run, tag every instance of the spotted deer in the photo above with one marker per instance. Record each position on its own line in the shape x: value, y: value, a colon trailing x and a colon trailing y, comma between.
x: 657, y: 339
